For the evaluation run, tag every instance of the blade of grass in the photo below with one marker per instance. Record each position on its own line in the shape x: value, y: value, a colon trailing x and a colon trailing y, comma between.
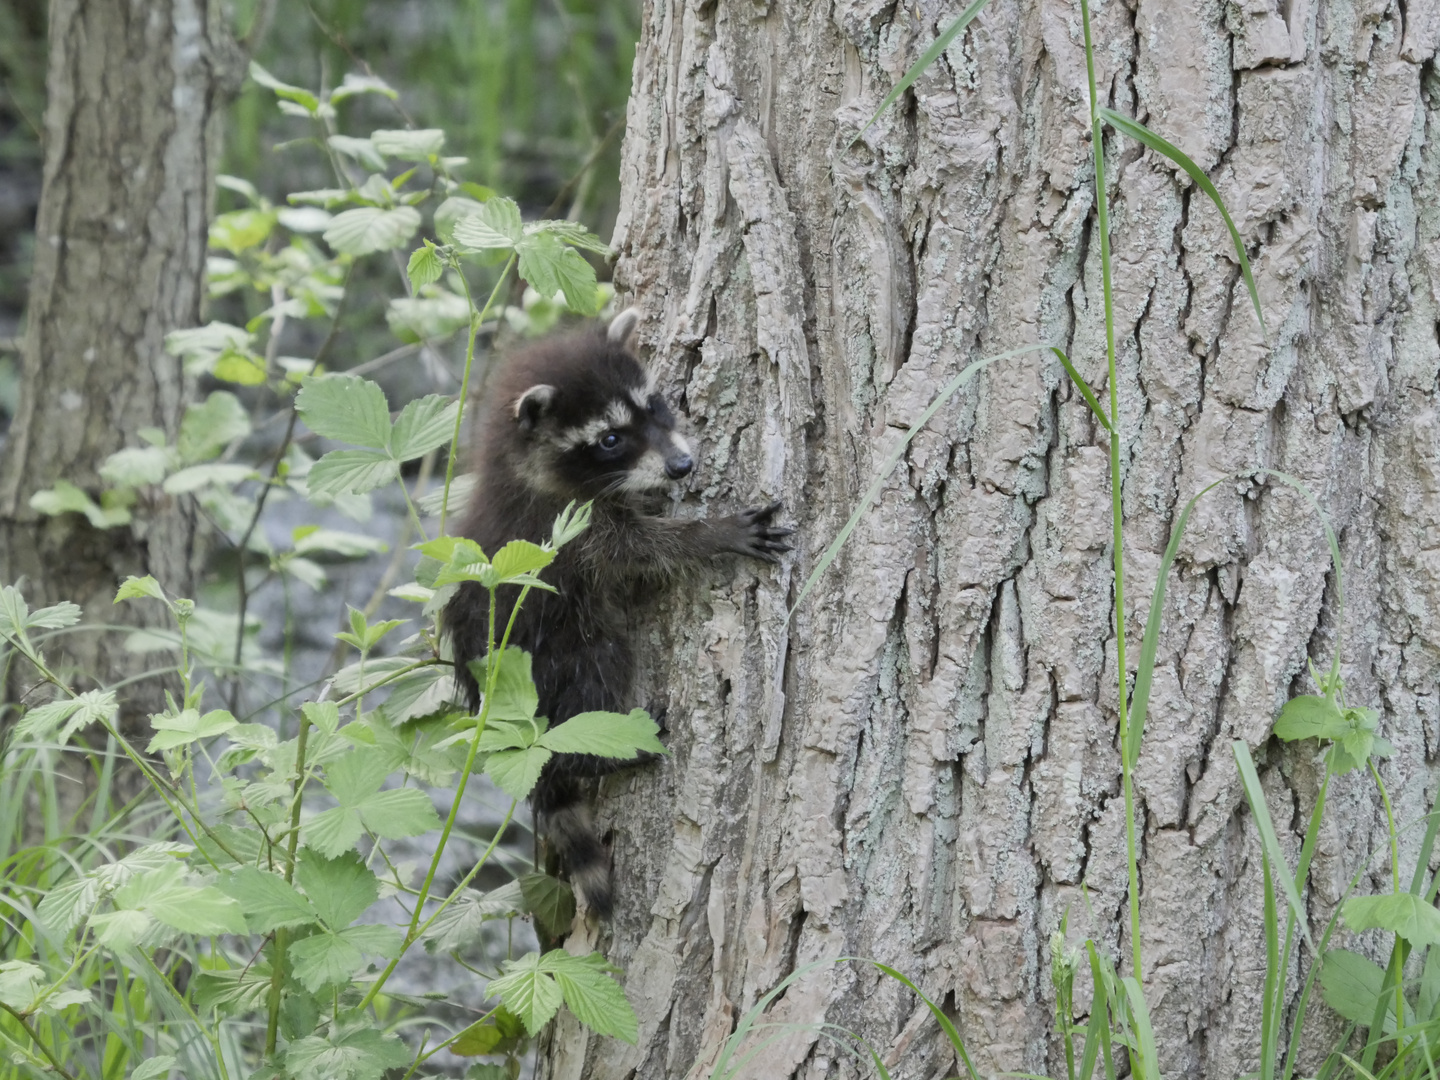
x: 938, y: 46
x: 1099, y: 1010
x: 1256, y: 797
x: 1271, y: 1009
x: 1145, y: 673
x: 1084, y: 388
x: 888, y: 466
x: 940, y: 1017
x: 1140, y: 133
x: 1144, y: 1034
x: 748, y: 1021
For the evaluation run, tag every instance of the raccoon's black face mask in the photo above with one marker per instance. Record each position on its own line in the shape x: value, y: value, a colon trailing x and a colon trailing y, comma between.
x: 609, y: 432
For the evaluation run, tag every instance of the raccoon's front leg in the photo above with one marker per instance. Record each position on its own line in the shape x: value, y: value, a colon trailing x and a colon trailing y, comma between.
x: 649, y: 545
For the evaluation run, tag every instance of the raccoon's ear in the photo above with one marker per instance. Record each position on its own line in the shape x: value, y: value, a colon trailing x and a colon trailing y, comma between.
x: 531, y: 405
x: 622, y: 327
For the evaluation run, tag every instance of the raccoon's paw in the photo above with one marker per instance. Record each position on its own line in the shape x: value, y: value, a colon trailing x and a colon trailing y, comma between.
x: 757, y: 536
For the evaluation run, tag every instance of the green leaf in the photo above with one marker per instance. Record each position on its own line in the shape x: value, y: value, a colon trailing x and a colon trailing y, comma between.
x: 374, y: 939
x: 242, y: 989
x: 20, y: 982
x: 154, y: 1068
x: 241, y: 230
x: 209, y: 427
x: 423, y: 425
x: 354, y: 84
x: 368, y: 229
x: 514, y: 696
x: 415, y: 145
x: 481, y: 1037
x: 530, y: 993
x: 301, y: 97
x: 120, y: 929
x: 355, y: 781
x: 424, y: 267
x: 516, y: 772
x: 93, y: 706
x: 55, y: 617
x: 340, y: 889
x: 570, y: 523
x: 334, y: 542
x: 345, y: 408
x: 211, y: 474
x: 302, y: 219
x: 66, y: 498
x: 325, y: 715
x: 163, y: 895
x: 605, y: 734
x: 134, y: 588
x: 364, y: 1053
x: 136, y: 466
x: 552, y: 267
x: 188, y: 727
x: 324, y: 959
x: 572, y: 233
x: 927, y: 58
x: 496, y: 225
x: 1352, y: 984
x: 267, y: 900
x: 593, y: 996
x: 361, y: 150
x: 520, y: 557
x: 1310, y: 717
x: 1148, y: 1067
x: 462, y: 923
x: 550, y: 901
x: 242, y: 367
x: 1403, y: 914
x: 1143, y: 134
x: 351, y: 472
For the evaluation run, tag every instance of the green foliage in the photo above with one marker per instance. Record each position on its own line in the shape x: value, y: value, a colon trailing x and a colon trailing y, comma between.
x: 250, y: 932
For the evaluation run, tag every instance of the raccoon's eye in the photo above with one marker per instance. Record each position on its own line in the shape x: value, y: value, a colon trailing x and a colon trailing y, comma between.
x: 609, y: 441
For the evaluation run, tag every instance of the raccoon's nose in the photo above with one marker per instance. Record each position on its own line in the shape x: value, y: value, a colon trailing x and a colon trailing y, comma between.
x: 678, y: 466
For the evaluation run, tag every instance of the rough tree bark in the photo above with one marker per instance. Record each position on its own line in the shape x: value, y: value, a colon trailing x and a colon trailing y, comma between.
x: 922, y: 767
x: 136, y: 92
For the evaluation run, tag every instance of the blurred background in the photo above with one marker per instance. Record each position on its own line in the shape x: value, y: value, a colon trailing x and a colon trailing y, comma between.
x: 533, y: 92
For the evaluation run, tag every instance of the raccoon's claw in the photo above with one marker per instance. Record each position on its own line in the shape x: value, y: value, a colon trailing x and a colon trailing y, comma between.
x: 759, y: 538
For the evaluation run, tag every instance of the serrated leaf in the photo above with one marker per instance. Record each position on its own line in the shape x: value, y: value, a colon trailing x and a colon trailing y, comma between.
x: 20, y: 982
x: 189, y: 726
x: 529, y: 993
x: 596, y: 999
x: 325, y: 715
x: 451, y: 211
x: 361, y: 1054
x: 572, y: 233
x: 243, y: 368
x: 302, y: 97
x: 324, y: 959
x: 461, y: 924
x: 163, y: 895
x: 346, y: 408
x: 241, y: 230
x: 423, y: 425
x: 1403, y: 914
x: 209, y: 427
x: 219, y: 474
x: 355, y: 781
x: 605, y: 734
x: 495, y: 226
x: 340, y: 889
x: 409, y: 145
x: 303, y: 219
x: 361, y: 150
x: 334, y: 542
x: 354, y: 84
x: 351, y: 472
x: 136, y: 466
x: 552, y: 267
x: 514, y: 696
x: 374, y: 939
x: 521, y: 557
x: 368, y: 229
x: 550, y: 901
x: 267, y: 900
x: 516, y: 772
x: 135, y: 588
x: 424, y: 267
x: 74, y: 713
x: 55, y: 617
x: 1310, y: 717
x: 120, y: 929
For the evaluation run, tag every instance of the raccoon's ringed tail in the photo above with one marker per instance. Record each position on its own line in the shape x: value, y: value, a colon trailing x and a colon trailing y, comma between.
x: 566, y: 821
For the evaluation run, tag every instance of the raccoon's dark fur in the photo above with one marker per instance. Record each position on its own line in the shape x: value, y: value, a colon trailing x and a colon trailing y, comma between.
x: 579, y: 418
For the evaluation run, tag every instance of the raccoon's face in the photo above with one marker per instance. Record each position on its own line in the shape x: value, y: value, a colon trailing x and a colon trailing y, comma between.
x: 600, y: 436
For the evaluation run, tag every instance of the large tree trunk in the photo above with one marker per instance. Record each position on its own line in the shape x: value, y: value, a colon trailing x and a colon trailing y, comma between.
x: 136, y: 92
x: 922, y: 767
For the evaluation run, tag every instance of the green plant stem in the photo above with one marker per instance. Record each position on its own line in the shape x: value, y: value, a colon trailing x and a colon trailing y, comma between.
x: 412, y: 934
x: 1395, y: 878
x: 208, y: 1035
x: 1102, y: 223
x: 35, y: 1038
x: 476, y: 321
x: 277, y: 973
x: 469, y: 877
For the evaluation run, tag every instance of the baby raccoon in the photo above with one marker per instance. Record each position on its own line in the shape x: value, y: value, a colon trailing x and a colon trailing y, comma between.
x: 578, y: 418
